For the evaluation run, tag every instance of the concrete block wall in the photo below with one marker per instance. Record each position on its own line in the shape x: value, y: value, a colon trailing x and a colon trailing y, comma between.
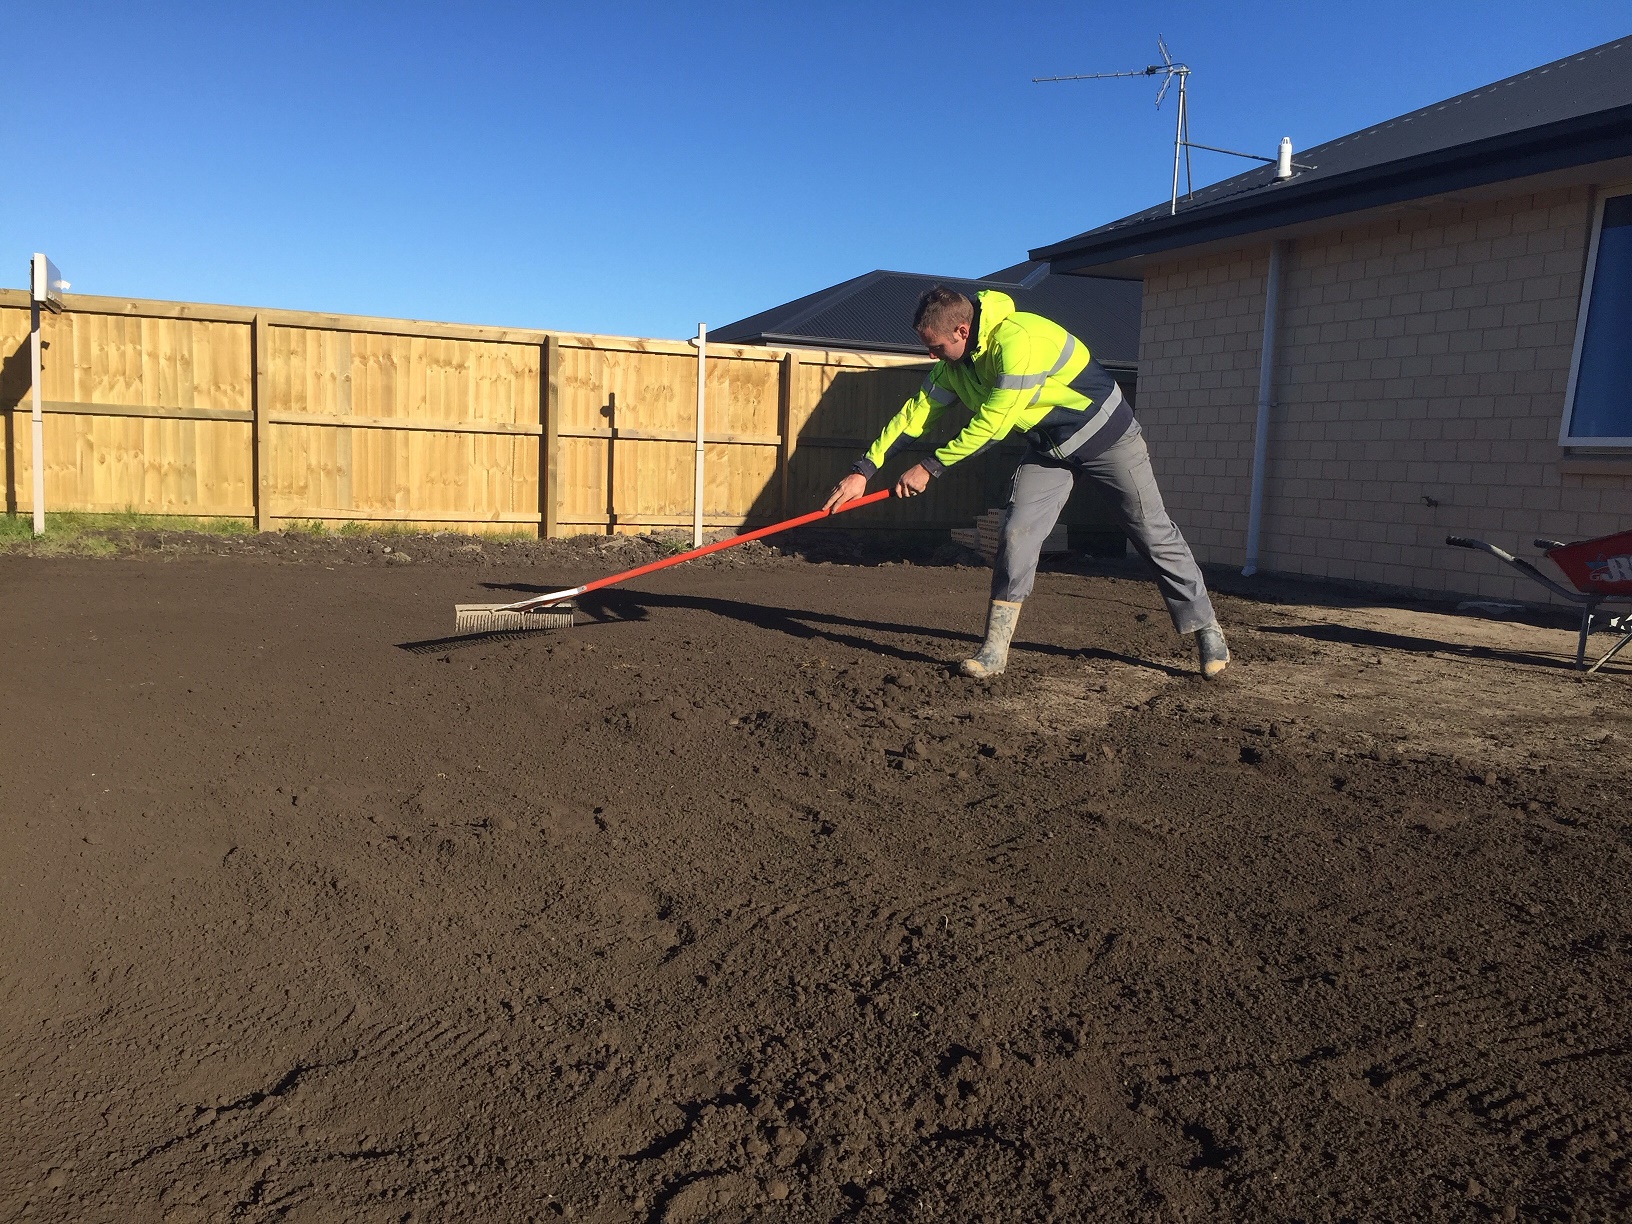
x: 1420, y: 383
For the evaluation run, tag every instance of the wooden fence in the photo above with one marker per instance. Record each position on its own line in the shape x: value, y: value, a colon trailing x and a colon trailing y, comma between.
x: 274, y: 415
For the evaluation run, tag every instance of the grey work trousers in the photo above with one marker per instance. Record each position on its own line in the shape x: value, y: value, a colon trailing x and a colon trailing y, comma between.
x: 1122, y: 472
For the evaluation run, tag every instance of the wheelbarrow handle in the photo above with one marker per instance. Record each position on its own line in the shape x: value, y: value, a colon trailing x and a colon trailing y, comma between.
x: 1481, y: 546
x: 1525, y: 568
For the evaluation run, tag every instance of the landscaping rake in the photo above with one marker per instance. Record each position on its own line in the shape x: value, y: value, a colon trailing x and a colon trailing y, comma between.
x: 556, y: 610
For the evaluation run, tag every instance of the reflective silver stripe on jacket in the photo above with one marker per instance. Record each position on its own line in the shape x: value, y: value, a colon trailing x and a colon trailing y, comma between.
x: 1065, y: 354
x: 1090, y: 427
x: 937, y: 394
x: 1018, y: 382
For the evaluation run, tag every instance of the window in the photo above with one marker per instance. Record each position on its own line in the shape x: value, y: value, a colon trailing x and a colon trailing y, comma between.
x: 1598, y: 404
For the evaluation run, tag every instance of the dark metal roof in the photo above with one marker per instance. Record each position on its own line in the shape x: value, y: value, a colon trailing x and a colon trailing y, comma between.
x: 1571, y: 112
x: 874, y: 312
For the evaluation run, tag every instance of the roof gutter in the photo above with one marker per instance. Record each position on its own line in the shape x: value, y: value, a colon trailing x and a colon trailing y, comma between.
x: 1601, y: 136
x: 833, y: 342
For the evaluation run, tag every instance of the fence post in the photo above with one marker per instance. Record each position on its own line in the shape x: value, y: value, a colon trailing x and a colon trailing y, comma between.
x: 549, y: 414
x: 611, y: 413
x: 263, y: 428
x: 784, y: 420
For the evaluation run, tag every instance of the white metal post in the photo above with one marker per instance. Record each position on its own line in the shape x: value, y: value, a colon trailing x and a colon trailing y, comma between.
x: 1178, y: 143
x: 697, y: 492
x: 36, y: 432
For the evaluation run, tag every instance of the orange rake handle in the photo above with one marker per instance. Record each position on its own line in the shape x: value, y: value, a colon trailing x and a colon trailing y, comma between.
x: 730, y: 542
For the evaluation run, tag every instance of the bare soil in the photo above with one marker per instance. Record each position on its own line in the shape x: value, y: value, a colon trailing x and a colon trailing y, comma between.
x: 734, y: 904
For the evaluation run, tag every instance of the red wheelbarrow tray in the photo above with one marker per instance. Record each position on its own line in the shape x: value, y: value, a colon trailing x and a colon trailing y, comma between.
x: 1602, y: 566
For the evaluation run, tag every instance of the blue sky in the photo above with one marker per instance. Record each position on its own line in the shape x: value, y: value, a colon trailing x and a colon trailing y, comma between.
x: 636, y: 168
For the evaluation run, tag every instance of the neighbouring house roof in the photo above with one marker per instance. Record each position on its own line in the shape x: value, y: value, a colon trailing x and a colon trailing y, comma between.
x: 1571, y: 112
x: 874, y: 312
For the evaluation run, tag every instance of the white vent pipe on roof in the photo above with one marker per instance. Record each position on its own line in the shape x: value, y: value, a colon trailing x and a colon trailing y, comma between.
x: 1266, y: 396
x: 1283, y: 159
x: 697, y: 490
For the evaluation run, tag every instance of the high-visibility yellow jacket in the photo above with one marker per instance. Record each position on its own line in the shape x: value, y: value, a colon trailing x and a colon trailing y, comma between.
x: 1021, y: 372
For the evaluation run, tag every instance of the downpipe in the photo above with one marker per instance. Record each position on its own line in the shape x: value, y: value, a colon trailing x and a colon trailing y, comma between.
x: 1266, y: 399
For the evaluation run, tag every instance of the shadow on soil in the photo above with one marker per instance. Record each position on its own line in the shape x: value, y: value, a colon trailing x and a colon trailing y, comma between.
x: 1352, y: 636
x: 460, y: 641
x: 801, y: 623
x: 794, y: 622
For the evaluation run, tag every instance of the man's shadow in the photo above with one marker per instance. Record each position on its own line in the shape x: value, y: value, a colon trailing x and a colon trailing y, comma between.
x: 804, y: 624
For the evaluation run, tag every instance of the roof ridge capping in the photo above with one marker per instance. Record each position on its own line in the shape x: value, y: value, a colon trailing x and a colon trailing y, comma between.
x: 1355, y: 163
x: 873, y: 312
x: 825, y: 300
x: 1470, y: 94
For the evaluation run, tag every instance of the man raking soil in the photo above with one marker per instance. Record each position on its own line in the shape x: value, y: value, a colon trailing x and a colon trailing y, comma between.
x: 1021, y: 373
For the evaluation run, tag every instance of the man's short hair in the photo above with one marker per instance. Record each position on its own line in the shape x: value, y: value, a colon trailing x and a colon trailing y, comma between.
x: 940, y: 310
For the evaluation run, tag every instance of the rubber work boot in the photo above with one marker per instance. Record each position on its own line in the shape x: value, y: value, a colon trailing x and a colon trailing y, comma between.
x: 1211, y: 650
x: 994, y: 654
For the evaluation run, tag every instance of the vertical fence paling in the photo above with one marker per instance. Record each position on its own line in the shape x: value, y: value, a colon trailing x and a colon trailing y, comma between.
x: 549, y: 413
x: 170, y: 407
x: 263, y: 430
x: 784, y: 427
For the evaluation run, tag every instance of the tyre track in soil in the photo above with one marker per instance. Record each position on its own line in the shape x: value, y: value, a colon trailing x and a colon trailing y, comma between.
x: 732, y: 904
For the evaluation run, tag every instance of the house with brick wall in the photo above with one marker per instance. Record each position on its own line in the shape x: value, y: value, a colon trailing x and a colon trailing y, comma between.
x: 1425, y: 329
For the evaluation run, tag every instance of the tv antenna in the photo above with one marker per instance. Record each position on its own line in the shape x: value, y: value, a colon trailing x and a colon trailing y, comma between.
x: 1169, y: 72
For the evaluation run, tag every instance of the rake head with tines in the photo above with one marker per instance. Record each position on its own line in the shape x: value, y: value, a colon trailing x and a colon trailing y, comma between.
x: 506, y: 618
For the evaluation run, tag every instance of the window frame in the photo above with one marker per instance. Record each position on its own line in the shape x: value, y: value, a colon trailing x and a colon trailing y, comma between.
x: 1565, y: 439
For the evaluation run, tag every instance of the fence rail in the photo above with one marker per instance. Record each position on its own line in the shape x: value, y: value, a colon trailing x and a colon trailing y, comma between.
x: 274, y: 415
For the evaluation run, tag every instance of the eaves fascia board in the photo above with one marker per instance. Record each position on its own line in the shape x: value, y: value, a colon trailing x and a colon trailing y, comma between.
x: 1602, y: 136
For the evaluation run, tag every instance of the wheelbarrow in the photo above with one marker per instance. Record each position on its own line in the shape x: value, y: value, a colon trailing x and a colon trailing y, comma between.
x: 1600, y: 572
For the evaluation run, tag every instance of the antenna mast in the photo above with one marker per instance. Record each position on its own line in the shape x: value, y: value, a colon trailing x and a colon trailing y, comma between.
x: 1169, y: 72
